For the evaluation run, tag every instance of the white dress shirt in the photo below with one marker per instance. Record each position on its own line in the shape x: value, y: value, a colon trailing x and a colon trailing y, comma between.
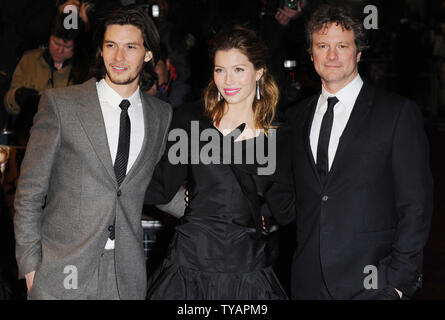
x: 342, y: 111
x: 109, y: 103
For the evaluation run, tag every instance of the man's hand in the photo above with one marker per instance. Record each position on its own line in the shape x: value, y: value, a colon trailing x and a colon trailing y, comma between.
x: 30, y: 279
x: 285, y: 15
x: 75, y: 3
x: 84, y: 8
x: 388, y: 293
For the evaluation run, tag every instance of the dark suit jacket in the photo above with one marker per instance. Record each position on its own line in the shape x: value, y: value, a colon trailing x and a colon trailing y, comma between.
x: 375, y: 208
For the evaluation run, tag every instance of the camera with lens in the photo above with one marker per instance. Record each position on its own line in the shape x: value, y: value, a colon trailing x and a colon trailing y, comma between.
x: 293, y: 88
x: 151, y: 9
x: 291, y: 4
x: 270, y: 7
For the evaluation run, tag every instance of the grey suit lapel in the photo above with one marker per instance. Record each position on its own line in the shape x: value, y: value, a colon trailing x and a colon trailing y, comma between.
x: 151, y: 132
x: 91, y: 118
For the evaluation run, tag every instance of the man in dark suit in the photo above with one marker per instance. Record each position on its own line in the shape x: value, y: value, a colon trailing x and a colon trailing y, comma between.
x: 91, y: 155
x: 362, y: 178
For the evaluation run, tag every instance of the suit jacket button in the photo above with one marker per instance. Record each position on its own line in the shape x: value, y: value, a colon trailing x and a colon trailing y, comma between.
x: 119, y: 193
x: 325, y: 198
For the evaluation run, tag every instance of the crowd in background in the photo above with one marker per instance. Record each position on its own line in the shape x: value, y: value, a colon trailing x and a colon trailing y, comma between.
x: 407, y: 47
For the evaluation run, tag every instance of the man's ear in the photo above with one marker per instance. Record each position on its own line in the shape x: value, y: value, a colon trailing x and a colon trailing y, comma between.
x: 167, y: 63
x: 148, y: 56
x: 359, y: 56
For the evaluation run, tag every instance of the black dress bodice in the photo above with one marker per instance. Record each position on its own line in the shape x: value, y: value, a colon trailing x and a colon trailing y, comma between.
x: 217, y: 251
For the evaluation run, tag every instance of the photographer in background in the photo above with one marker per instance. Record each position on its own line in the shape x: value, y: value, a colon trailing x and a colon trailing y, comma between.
x: 173, y: 27
x: 291, y: 10
x: 169, y: 87
x: 90, y: 11
x: 38, y: 70
x: 9, y: 285
x: 282, y: 28
x: 83, y: 9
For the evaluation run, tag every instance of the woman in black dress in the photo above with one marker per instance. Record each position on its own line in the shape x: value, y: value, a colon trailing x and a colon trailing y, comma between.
x: 219, y: 250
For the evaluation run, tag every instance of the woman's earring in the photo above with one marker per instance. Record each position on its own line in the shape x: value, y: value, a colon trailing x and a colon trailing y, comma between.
x: 258, y: 91
x: 219, y: 96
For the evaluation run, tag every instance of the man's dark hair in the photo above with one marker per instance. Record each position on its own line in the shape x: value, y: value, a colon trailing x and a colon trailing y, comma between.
x: 132, y: 15
x: 58, y: 29
x: 339, y: 15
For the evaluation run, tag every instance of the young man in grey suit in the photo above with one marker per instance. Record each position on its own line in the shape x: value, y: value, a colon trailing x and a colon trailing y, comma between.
x: 362, y: 177
x: 91, y: 155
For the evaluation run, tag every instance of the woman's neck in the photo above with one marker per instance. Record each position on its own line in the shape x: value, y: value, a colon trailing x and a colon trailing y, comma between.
x: 234, y: 117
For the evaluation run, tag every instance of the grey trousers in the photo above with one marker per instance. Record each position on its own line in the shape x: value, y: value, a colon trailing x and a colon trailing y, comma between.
x: 102, y: 286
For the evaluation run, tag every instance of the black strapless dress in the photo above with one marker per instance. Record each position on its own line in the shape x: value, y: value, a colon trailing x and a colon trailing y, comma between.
x: 218, y: 250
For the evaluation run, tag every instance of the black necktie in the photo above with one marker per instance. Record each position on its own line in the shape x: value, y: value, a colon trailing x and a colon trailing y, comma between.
x: 123, y: 150
x: 123, y: 147
x: 323, y: 139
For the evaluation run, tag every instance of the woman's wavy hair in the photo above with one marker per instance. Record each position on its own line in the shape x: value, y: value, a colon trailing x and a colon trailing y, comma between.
x: 248, y: 42
x: 340, y: 15
x: 137, y: 17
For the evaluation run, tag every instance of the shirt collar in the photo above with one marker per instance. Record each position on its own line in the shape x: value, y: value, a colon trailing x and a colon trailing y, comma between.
x: 108, y: 94
x: 347, y: 95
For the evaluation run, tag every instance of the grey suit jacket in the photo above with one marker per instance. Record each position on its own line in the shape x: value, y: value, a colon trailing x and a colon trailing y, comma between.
x: 67, y: 194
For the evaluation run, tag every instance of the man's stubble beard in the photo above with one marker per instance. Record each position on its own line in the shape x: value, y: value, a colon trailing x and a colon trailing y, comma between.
x: 123, y: 82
